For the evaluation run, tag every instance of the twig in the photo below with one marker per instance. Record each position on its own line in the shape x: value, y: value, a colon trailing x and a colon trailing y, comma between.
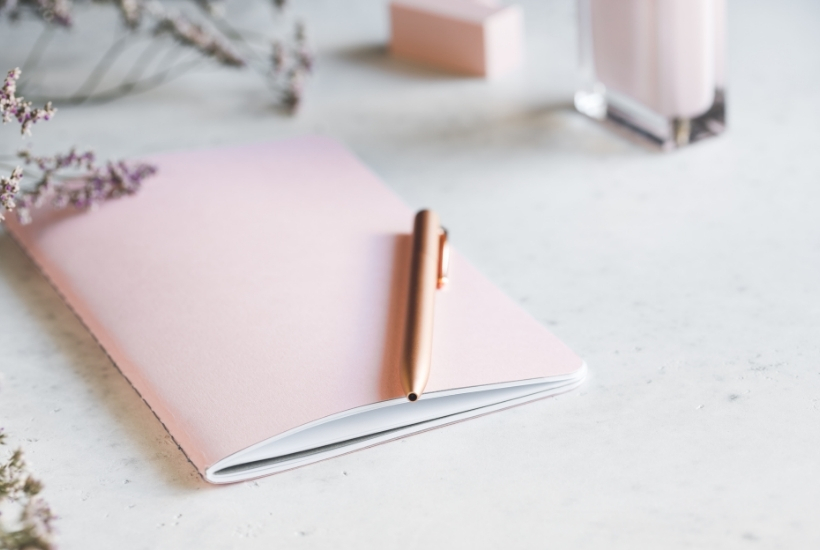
x: 139, y: 86
x: 36, y: 53
x: 143, y: 61
x: 169, y: 58
x: 100, y: 69
x: 231, y: 33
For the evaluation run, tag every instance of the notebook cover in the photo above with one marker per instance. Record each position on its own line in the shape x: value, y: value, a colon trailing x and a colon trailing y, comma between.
x: 247, y: 291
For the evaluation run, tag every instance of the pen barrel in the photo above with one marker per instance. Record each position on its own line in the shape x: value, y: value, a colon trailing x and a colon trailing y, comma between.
x: 424, y: 273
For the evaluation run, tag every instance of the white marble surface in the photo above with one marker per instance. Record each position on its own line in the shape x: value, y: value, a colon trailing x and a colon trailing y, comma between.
x: 690, y: 282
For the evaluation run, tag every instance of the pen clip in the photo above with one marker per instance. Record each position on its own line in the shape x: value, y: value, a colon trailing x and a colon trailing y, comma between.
x: 443, y: 260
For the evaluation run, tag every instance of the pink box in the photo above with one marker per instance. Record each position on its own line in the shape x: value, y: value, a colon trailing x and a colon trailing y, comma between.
x: 466, y: 36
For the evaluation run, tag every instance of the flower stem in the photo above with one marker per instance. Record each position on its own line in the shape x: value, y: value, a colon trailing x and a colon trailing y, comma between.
x: 84, y: 92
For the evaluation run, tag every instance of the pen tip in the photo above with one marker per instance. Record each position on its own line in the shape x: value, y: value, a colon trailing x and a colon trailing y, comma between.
x: 412, y: 396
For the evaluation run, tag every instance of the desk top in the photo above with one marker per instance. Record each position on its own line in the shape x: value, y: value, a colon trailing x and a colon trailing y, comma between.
x: 688, y: 282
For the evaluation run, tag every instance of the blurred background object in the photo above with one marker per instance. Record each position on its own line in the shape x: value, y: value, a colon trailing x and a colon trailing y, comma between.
x: 473, y: 37
x: 154, y: 42
x: 656, y: 68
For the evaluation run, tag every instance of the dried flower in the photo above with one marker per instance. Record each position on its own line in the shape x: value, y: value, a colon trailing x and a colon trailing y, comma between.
x: 9, y: 187
x: 210, y: 34
x: 292, y: 94
x: 69, y: 179
x: 192, y: 34
x: 213, y: 7
x: 85, y: 184
x: 304, y: 59
x: 19, y: 489
x: 12, y: 106
x: 277, y: 56
x: 131, y: 11
x: 51, y: 11
x: 56, y: 11
x: 57, y: 162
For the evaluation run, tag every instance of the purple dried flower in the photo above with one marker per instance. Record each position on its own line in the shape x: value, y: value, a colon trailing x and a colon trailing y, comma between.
x: 304, y: 58
x: 291, y: 62
x: 292, y: 94
x: 12, y: 107
x: 9, y: 188
x: 189, y: 33
x: 58, y: 162
x: 51, y: 11
x: 131, y: 11
x: 93, y: 185
x: 72, y: 178
x: 214, y: 37
x: 32, y: 527
x: 277, y: 56
x: 213, y: 7
x: 55, y: 11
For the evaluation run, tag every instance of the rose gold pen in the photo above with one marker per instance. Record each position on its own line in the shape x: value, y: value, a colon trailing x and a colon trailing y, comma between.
x: 428, y: 272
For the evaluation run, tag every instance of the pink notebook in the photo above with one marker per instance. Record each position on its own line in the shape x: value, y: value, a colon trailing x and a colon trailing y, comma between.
x: 255, y: 299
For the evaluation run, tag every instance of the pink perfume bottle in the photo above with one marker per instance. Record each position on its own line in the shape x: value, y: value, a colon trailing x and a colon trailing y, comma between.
x: 655, y: 68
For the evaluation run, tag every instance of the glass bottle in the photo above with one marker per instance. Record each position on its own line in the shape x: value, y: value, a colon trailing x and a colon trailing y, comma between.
x: 655, y: 68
